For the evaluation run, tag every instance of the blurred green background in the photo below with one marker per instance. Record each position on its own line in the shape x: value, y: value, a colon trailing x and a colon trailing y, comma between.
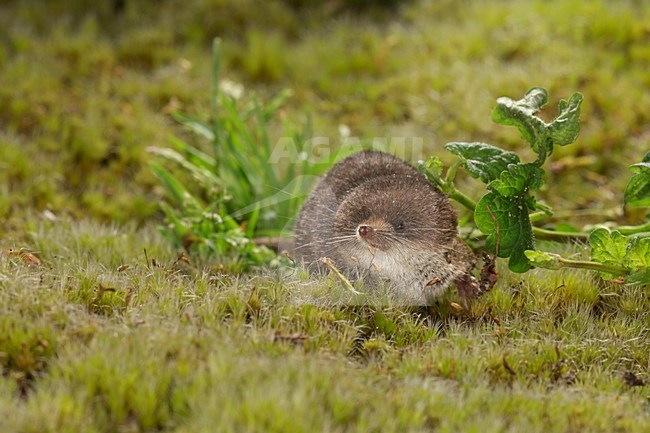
x: 86, y: 87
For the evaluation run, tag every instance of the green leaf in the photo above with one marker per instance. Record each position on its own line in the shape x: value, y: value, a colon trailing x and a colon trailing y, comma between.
x: 195, y: 125
x: 278, y: 101
x: 432, y: 168
x: 533, y: 101
x: 544, y: 260
x: 638, y: 278
x: 194, y: 155
x: 638, y: 253
x: 566, y: 126
x: 172, y: 185
x: 608, y: 247
x: 252, y: 222
x: 637, y: 192
x: 205, y: 177
x: 541, y: 136
x: 509, y: 233
x: 483, y: 160
x: 521, y: 114
x: 614, y: 248
x: 518, y: 179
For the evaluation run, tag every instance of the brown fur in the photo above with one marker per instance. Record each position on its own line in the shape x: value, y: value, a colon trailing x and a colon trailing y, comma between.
x: 414, y: 243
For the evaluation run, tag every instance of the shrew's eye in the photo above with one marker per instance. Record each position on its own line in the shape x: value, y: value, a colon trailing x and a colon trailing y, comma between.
x: 399, y: 226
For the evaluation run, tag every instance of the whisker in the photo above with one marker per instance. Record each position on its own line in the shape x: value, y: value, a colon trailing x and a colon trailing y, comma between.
x: 336, y: 241
x: 328, y: 241
x: 430, y: 229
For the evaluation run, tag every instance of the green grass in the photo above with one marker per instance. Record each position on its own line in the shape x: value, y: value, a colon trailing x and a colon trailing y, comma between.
x: 184, y: 347
x: 175, y: 347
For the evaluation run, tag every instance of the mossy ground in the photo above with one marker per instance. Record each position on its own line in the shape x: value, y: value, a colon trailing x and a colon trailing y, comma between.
x: 105, y: 337
x: 172, y: 346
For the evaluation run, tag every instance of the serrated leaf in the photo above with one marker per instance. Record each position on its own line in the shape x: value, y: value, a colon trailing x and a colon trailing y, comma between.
x: 637, y: 192
x: 518, y: 261
x: 521, y: 114
x: 518, y: 179
x: 540, y: 135
x: 638, y: 253
x: 509, y: 233
x: 483, y: 160
x: 614, y: 248
x: 533, y: 101
x: 608, y: 247
x: 566, y: 126
x: 432, y: 168
x: 638, y: 278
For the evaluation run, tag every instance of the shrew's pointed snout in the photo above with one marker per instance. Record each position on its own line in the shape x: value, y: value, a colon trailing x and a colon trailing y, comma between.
x: 366, y: 232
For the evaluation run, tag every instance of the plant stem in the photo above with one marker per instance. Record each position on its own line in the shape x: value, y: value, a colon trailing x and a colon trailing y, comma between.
x: 330, y: 264
x: 451, y: 173
x: 561, y: 262
x: 462, y: 198
x: 450, y: 189
x: 631, y: 230
x: 579, y: 213
x: 552, y: 235
x: 537, y: 216
x: 567, y: 214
